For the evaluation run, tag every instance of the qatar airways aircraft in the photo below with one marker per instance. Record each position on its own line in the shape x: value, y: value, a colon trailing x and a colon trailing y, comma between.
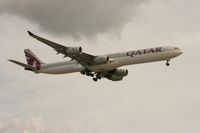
x: 101, y: 66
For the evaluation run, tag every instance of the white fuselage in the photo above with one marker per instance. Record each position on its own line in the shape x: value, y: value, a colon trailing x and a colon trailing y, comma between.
x: 116, y: 60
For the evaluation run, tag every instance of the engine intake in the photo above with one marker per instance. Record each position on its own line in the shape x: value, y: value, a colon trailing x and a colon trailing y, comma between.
x: 101, y: 60
x: 73, y: 50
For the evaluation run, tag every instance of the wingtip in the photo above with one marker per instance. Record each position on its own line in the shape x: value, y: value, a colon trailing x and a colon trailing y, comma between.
x: 11, y: 60
x: 30, y: 33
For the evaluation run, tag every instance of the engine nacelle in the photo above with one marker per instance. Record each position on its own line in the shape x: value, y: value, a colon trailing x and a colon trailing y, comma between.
x: 101, y: 60
x: 115, y: 78
x: 73, y: 50
x: 121, y: 72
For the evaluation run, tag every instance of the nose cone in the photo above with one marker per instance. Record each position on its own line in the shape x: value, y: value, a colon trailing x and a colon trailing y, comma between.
x: 179, y: 51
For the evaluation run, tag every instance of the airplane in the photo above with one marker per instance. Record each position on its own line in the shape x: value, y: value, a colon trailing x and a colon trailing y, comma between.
x: 96, y: 66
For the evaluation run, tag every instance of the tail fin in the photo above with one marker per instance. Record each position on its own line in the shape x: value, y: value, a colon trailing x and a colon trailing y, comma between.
x: 32, y: 59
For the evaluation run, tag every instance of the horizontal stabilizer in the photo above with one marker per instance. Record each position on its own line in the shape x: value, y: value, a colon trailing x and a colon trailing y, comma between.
x: 27, y: 67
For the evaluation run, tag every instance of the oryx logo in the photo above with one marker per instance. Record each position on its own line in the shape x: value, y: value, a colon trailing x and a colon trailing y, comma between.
x: 32, y: 60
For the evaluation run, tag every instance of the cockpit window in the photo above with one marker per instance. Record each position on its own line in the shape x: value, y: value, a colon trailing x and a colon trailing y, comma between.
x: 176, y: 48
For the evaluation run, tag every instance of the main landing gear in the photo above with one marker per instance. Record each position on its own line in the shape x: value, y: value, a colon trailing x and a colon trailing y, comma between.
x: 167, y: 62
x: 95, y: 76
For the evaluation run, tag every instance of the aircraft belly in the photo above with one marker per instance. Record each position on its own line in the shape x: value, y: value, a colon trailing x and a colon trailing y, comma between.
x: 62, y: 69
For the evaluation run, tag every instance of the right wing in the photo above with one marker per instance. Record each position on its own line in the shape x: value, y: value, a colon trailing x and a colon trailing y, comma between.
x: 83, y: 58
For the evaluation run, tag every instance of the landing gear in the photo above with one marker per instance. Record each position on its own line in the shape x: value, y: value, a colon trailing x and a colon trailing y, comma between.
x: 167, y: 63
x: 85, y: 71
x: 95, y: 79
x: 89, y: 73
x: 98, y: 77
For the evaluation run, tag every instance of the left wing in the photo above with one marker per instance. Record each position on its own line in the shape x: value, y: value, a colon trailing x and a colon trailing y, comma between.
x: 75, y: 53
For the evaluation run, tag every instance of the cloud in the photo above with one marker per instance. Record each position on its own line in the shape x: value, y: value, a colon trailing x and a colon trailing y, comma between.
x: 152, y: 99
x: 74, y: 18
x: 34, y: 125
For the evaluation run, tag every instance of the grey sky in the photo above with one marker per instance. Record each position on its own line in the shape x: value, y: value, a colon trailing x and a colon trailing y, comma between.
x: 75, y: 18
x: 152, y: 99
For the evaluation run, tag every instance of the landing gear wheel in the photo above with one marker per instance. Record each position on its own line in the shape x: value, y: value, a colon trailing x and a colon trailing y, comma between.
x: 95, y: 79
x: 83, y: 72
x: 167, y: 63
x: 92, y: 75
x: 98, y: 76
x: 88, y: 73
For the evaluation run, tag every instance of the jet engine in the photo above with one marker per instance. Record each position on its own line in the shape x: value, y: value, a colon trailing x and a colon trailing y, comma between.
x: 115, y: 78
x: 101, y: 60
x: 73, y: 50
x: 117, y: 74
x: 120, y: 72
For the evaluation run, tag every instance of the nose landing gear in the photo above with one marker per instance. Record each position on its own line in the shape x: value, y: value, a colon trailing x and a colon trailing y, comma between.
x: 167, y: 62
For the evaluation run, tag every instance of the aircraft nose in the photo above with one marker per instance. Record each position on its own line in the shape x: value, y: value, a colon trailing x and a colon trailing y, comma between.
x: 179, y: 52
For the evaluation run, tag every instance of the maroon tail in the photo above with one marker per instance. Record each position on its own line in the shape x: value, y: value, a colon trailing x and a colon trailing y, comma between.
x: 32, y: 59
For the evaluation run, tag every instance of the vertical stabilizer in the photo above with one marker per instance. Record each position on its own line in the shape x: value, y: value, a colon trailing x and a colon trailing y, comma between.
x: 32, y: 59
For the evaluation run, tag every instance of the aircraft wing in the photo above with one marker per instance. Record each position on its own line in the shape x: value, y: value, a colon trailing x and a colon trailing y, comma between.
x: 83, y: 58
